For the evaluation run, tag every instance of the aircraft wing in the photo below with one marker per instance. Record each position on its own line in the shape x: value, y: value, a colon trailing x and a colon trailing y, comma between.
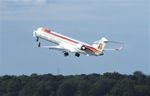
x: 54, y: 47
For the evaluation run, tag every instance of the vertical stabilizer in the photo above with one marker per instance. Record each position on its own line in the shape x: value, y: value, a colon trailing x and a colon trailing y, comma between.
x: 100, y: 44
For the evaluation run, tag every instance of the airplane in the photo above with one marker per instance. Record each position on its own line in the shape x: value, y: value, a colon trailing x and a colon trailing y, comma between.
x: 67, y: 44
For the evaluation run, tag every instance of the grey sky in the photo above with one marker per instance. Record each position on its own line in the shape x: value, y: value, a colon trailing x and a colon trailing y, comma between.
x: 86, y: 20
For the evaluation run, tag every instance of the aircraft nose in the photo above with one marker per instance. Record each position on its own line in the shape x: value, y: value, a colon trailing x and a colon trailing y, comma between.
x: 34, y: 34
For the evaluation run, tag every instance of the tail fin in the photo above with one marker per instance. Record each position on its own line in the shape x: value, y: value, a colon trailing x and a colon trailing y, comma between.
x: 100, y: 44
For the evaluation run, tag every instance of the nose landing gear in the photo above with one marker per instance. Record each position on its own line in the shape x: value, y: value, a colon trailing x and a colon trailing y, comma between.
x: 39, y: 45
x: 37, y: 39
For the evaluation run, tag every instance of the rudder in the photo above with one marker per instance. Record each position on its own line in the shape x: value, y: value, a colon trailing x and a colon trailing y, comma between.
x: 100, y: 44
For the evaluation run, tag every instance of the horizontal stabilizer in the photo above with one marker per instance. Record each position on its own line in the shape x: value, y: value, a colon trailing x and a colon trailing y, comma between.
x: 117, y: 49
x: 114, y: 46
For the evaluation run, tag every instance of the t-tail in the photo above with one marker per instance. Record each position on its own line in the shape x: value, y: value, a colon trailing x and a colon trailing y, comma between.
x: 100, y: 44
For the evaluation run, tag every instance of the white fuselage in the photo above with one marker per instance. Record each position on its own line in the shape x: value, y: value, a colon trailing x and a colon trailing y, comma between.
x: 67, y: 43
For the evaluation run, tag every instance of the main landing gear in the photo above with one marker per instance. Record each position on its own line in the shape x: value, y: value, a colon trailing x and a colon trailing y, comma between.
x: 66, y: 54
x: 77, y: 54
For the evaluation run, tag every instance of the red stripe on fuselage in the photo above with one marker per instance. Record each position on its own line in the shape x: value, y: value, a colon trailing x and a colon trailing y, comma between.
x: 65, y: 38
x: 91, y: 48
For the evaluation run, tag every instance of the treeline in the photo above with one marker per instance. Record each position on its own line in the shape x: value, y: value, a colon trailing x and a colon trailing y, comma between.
x: 108, y: 84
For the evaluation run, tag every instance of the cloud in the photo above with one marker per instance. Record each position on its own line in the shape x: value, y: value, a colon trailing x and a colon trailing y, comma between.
x: 31, y: 1
x: 24, y: 2
x: 44, y: 10
x: 76, y: 10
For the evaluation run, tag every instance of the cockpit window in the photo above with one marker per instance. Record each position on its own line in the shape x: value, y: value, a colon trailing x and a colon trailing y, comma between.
x: 46, y: 30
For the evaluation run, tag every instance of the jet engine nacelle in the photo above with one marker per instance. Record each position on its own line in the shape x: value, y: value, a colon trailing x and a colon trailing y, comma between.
x: 83, y: 47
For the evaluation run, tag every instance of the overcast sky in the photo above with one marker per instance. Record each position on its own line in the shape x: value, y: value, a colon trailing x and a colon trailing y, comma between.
x: 85, y: 20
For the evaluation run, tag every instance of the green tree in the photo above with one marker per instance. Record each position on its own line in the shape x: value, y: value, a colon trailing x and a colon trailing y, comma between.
x: 101, y: 87
x: 67, y: 88
x: 108, y: 84
x: 124, y: 87
x: 142, y: 90
x: 82, y: 88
